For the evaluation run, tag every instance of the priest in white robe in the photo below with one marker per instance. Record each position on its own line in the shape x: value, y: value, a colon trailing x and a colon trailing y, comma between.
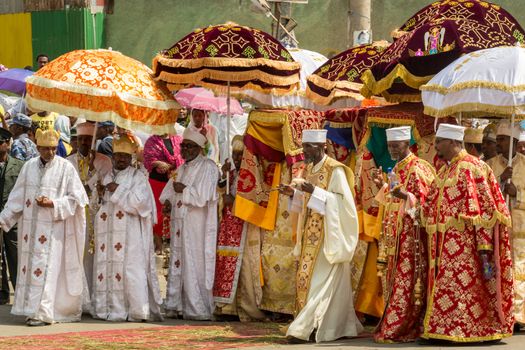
x: 91, y: 167
x: 125, y: 283
x: 327, y: 235
x: 192, y: 199
x: 48, y: 203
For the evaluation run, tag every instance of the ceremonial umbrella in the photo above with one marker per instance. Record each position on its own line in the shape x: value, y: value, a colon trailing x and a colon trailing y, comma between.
x: 340, y: 76
x: 201, y: 98
x: 473, y: 10
x: 102, y: 85
x: 437, y: 41
x: 310, y: 61
x: 228, y: 58
x: 486, y: 82
x: 14, y: 80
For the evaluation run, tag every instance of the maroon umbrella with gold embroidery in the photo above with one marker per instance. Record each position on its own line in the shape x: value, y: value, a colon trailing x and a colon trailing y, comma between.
x: 240, y: 56
x: 228, y: 58
x: 472, y: 10
x: 340, y: 76
x: 414, y: 58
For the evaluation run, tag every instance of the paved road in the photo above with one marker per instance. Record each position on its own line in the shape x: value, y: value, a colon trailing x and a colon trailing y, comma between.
x: 15, y: 326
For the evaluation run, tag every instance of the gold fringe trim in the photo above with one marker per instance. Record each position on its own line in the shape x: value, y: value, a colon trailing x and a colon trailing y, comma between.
x: 377, y: 87
x: 330, y: 84
x: 474, y: 84
x: 335, y: 94
x: 196, y: 77
x: 267, y: 117
x: 218, y: 62
x: 222, y: 89
x: 427, y: 335
x: 475, y: 109
x: 392, y: 98
x: 459, y: 224
x: 100, y: 117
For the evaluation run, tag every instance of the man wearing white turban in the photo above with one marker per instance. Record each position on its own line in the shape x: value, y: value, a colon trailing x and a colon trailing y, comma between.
x: 191, y: 197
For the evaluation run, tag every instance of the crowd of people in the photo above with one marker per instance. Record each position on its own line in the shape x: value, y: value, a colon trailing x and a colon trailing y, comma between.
x: 87, y: 207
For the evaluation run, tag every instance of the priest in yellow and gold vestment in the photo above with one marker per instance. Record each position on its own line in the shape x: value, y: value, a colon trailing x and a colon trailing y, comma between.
x: 327, y: 235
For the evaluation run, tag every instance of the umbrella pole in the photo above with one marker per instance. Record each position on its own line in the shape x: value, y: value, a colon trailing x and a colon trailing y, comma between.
x: 228, y: 127
x: 511, y: 146
x: 94, y: 140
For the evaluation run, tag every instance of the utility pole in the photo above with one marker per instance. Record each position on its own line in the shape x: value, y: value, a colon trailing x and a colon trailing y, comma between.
x: 359, y: 18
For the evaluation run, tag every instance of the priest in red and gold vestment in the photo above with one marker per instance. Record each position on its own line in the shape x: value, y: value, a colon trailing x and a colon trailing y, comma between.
x: 402, y: 259
x: 470, y: 291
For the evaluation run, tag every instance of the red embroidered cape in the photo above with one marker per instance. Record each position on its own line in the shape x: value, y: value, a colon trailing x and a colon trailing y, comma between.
x: 464, y: 213
x: 406, y: 246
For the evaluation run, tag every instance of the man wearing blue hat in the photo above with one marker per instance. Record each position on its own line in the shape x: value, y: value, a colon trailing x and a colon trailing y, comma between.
x: 105, y: 138
x: 22, y: 148
x: 9, y: 170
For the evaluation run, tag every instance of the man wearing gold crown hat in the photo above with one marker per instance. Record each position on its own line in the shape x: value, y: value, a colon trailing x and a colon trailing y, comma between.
x: 125, y: 284
x: 470, y: 265
x: 327, y: 236
x: 192, y: 198
x: 474, y: 141
x: 512, y: 183
x: 402, y: 259
x: 91, y: 167
x: 48, y: 203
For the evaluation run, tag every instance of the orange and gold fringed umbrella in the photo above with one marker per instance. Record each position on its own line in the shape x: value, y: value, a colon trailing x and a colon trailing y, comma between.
x: 102, y: 85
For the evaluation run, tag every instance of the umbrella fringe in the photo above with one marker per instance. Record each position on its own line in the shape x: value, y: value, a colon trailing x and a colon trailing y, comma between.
x: 38, y: 104
x: 217, y: 62
x: 335, y: 95
x: 222, y: 89
x: 197, y: 77
x: 475, y: 109
x: 330, y: 84
x: 374, y: 87
x: 473, y: 84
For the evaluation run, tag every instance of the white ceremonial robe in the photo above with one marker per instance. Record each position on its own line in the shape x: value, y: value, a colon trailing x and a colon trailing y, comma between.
x: 51, y: 279
x: 329, y: 307
x: 193, y: 239
x: 126, y: 285
x: 103, y: 166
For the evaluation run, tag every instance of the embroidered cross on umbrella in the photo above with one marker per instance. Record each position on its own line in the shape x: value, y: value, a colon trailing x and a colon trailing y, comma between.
x: 228, y: 58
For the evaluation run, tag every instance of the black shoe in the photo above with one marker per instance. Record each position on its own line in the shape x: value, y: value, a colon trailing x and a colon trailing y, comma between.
x: 517, y: 327
x: 294, y: 340
x: 4, y: 301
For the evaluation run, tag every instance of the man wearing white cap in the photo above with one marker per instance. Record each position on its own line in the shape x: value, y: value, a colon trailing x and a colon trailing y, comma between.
x: 192, y: 198
x: 512, y: 184
x: 470, y: 266
x: 402, y: 259
x: 326, y: 241
x: 125, y: 283
x: 91, y: 167
x: 48, y: 202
